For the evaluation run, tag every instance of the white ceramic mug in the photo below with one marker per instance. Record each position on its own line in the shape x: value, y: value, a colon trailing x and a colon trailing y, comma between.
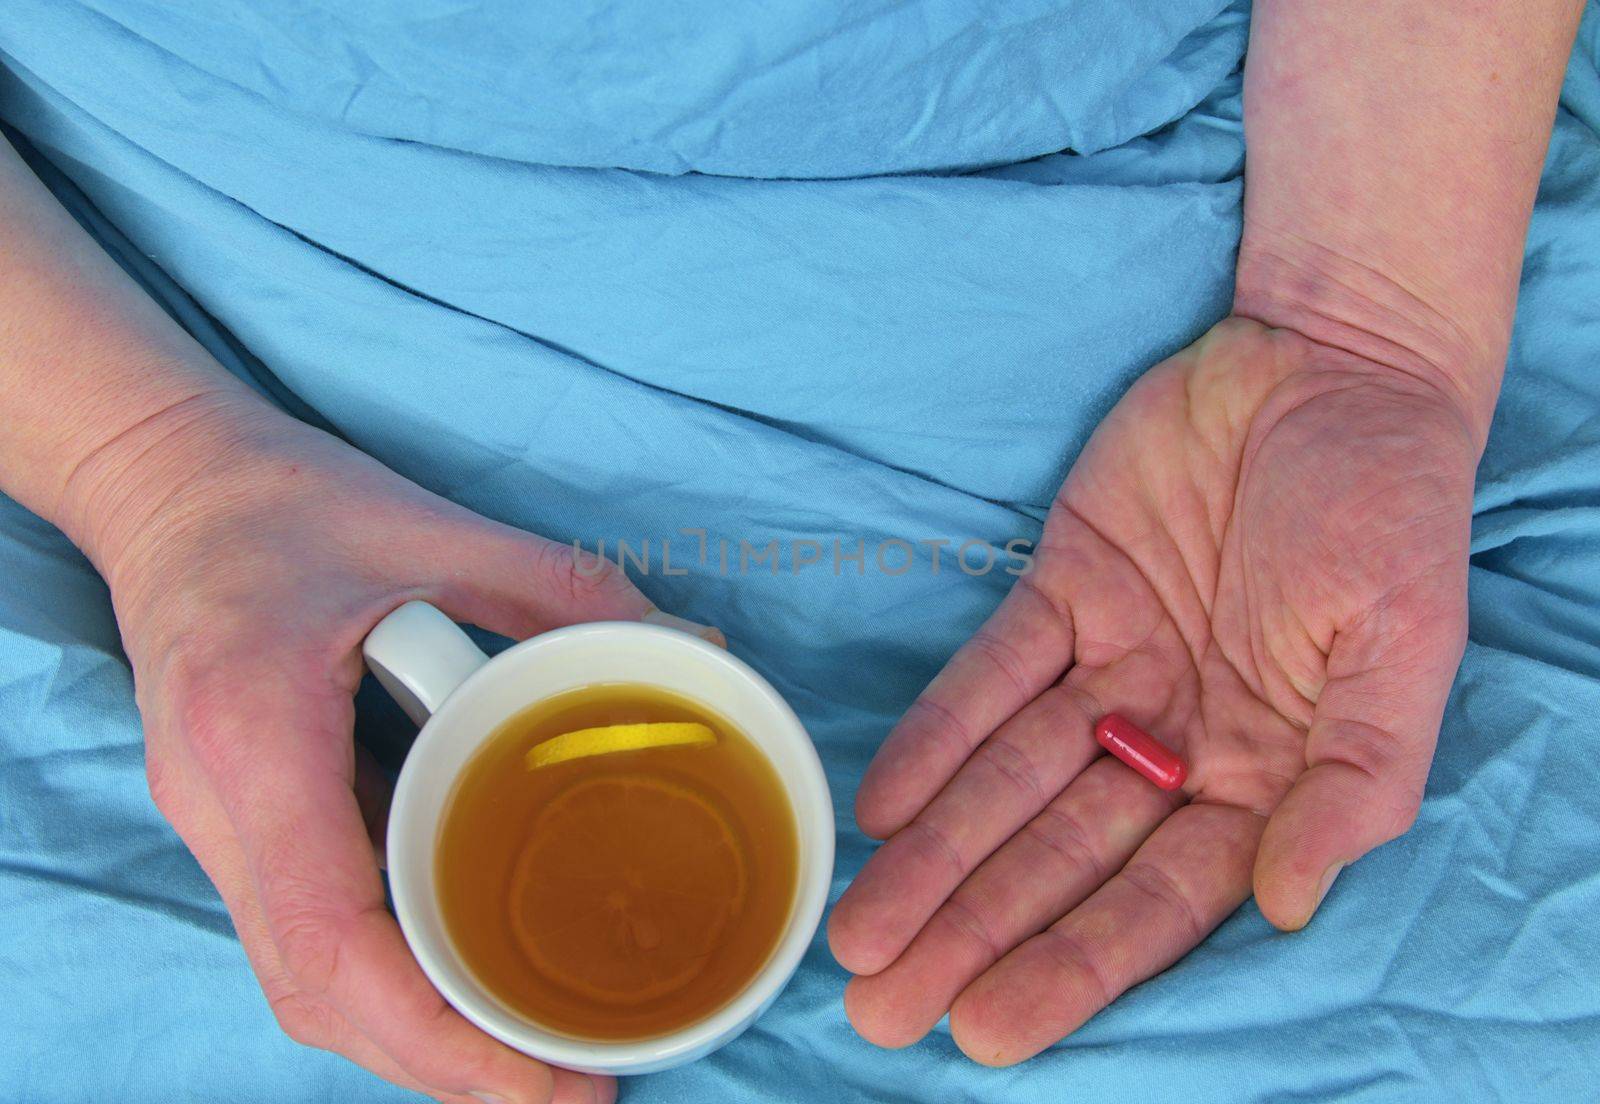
x: 460, y: 696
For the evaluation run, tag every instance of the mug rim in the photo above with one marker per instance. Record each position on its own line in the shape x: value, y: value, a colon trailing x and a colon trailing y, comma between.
x: 810, y: 799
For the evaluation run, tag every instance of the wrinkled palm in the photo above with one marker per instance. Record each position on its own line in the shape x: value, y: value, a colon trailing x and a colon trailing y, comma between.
x: 1260, y: 557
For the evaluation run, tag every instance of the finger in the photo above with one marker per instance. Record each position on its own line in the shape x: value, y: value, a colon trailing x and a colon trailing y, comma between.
x: 709, y: 633
x: 518, y: 585
x: 1011, y: 776
x: 1056, y: 861
x: 1022, y: 648
x: 1367, y: 754
x: 317, y: 1026
x: 189, y: 804
x: 1191, y: 874
x: 582, y: 1088
x: 278, y: 753
x: 339, y: 944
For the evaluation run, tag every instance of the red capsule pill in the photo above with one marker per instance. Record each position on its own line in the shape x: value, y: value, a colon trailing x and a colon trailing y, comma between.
x: 1141, y: 751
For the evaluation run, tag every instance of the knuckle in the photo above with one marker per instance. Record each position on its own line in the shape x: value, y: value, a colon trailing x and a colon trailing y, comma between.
x: 308, y: 943
x: 1397, y: 815
x: 1004, y: 657
x: 965, y: 919
x: 1075, y: 958
x: 1156, y: 884
x: 1031, y: 587
x: 581, y: 575
x: 928, y: 720
x: 1372, y: 750
x: 1017, y: 769
x: 307, y: 931
x: 469, y: 1066
x: 455, y: 1066
x: 308, y: 1023
x: 936, y: 845
x: 1393, y: 774
x: 1063, y: 836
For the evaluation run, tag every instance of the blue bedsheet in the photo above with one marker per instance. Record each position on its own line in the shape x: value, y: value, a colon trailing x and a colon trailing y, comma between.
x: 847, y: 270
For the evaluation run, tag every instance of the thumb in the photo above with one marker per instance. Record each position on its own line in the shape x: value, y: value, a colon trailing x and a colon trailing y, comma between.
x: 1367, y: 756
x: 518, y: 584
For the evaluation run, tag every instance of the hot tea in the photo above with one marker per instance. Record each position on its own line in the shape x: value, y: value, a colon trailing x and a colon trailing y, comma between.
x: 617, y: 894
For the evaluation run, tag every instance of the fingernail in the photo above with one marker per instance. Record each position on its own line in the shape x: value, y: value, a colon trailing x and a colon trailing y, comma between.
x: 489, y: 1098
x: 1328, y: 876
x: 683, y: 624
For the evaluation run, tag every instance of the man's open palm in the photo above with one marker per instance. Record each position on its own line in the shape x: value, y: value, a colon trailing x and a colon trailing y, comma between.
x: 1260, y: 557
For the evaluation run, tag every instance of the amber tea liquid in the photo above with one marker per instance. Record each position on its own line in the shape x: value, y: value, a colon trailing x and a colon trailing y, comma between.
x: 623, y: 895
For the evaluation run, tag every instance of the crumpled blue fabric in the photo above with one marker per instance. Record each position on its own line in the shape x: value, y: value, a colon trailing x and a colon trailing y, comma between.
x: 828, y: 271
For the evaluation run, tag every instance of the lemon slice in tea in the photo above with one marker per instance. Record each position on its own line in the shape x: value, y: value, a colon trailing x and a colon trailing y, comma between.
x: 620, y: 737
x: 625, y: 887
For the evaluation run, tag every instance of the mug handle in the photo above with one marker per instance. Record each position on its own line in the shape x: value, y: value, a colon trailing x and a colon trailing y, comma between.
x: 420, y: 656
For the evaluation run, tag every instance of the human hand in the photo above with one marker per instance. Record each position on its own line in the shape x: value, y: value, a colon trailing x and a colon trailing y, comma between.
x: 1260, y: 558
x: 243, y: 599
